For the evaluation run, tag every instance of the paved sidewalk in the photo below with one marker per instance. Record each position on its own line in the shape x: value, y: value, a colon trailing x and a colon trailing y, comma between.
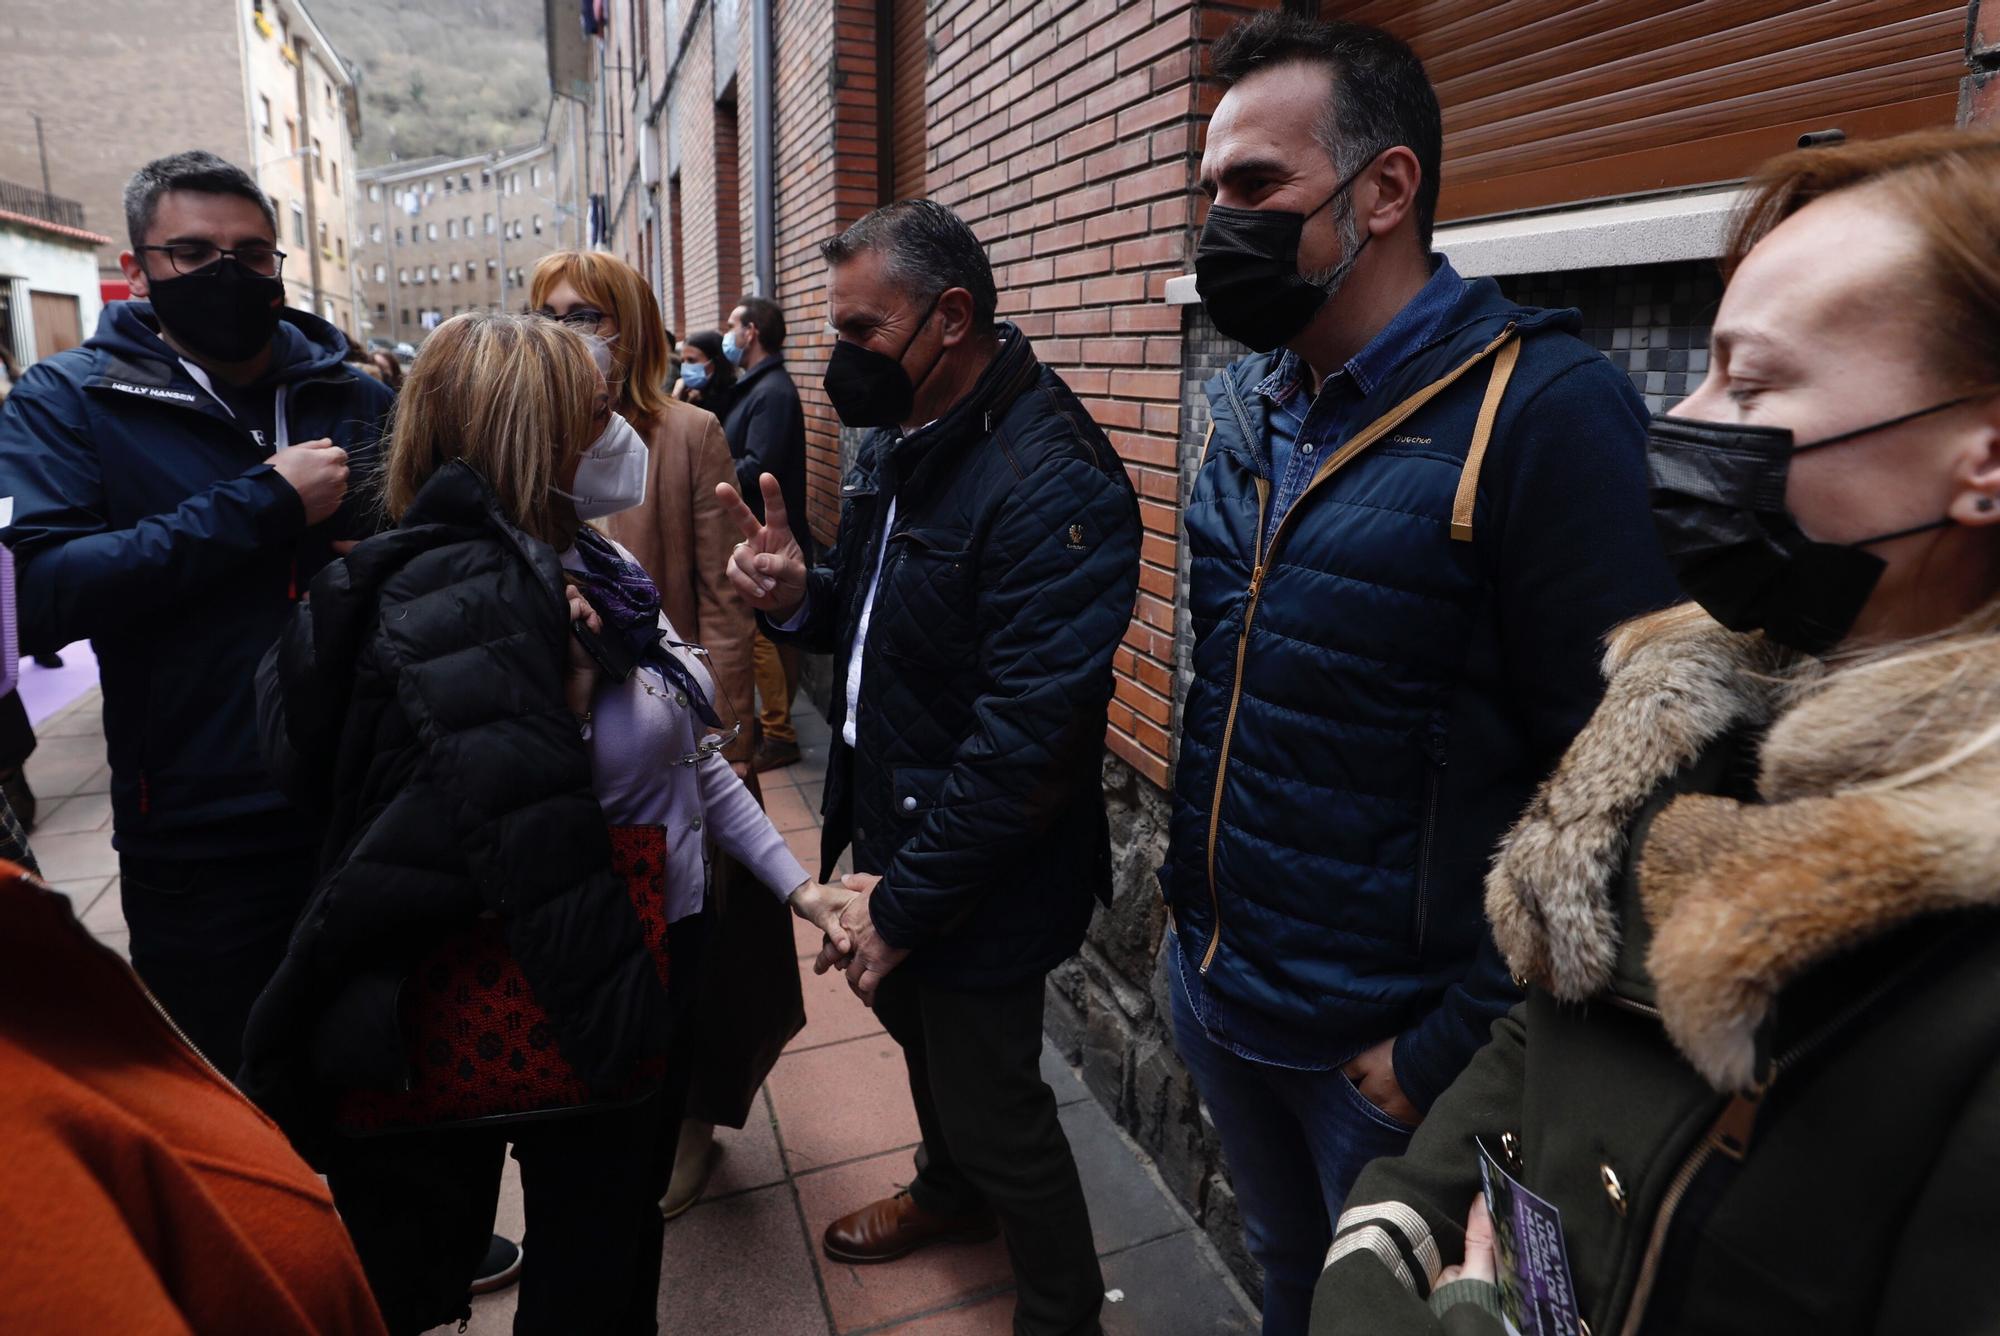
x: 833, y: 1130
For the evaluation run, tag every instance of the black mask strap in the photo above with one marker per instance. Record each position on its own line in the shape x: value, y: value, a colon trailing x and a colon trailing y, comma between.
x: 1341, y: 189
x: 925, y: 319
x: 1946, y: 523
x: 917, y: 383
x: 1892, y: 422
x: 1347, y: 263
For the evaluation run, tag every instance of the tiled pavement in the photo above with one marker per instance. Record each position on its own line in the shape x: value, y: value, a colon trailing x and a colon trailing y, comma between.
x: 833, y: 1130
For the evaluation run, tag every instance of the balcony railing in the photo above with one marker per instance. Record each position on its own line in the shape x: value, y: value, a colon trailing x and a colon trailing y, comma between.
x: 38, y: 204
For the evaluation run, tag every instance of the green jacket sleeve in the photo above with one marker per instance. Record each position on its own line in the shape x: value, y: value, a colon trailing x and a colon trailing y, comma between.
x: 1939, y: 1279
x: 1405, y: 1218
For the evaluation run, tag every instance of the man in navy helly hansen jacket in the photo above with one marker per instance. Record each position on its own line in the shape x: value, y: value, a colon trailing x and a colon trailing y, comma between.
x: 175, y: 483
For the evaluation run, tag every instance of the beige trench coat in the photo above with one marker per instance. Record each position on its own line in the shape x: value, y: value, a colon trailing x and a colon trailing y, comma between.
x: 683, y: 539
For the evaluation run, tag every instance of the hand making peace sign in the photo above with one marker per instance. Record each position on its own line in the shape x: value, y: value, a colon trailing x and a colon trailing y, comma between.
x: 767, y: 567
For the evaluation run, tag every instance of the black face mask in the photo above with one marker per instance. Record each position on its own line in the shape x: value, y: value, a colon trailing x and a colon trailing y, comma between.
x: 223, y: 312
x: 870, y: 388
x: 1246, y: 268
x: 1718, y: 499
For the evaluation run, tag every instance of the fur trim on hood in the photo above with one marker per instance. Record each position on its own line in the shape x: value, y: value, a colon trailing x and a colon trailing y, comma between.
x: 1869, y: 820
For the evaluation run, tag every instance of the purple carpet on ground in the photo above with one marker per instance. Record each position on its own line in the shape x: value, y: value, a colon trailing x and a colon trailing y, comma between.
x: 49, y: 691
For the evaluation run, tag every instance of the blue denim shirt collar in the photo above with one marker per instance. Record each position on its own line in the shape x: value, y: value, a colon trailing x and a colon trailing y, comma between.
x: 1410, y: 329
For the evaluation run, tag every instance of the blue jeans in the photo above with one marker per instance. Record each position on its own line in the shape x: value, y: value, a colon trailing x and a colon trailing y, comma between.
x: 1294, y: 1142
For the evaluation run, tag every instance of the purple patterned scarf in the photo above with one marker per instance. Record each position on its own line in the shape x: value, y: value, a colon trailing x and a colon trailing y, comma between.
x: 629, y: 602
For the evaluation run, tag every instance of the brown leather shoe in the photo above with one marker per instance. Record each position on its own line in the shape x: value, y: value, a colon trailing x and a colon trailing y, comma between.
x: 774, y: 755
x: 896, y: 1227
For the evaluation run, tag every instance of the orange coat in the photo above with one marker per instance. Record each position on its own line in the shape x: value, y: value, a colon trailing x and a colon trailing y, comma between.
x: 139, y: 1192
x: 683, y: 540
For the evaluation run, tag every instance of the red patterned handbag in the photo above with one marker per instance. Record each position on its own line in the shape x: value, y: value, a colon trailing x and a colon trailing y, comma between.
x: 479, y: 1048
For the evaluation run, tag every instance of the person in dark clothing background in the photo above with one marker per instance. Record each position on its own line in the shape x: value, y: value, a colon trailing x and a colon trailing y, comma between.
x: 387, y: 369
x: 985, y: 574
x: 766, y: 424
x: 707, y: 378
x: 766, y: 427
x: 1419, y: 510
x: 176, y: 482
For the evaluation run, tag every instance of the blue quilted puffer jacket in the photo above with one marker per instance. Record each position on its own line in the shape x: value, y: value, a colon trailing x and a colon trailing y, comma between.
x: 975, y: 786
x: 1374, y: 701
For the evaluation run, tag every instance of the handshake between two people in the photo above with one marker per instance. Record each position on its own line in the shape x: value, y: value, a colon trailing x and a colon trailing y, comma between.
x: 851, y: 945
x: 768, y: 570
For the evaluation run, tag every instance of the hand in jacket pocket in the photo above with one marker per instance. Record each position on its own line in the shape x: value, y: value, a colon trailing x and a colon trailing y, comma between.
x: 1374, y: 1075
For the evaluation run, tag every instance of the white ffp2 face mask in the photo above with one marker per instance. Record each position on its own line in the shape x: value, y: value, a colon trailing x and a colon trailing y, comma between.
x: 611, y: 476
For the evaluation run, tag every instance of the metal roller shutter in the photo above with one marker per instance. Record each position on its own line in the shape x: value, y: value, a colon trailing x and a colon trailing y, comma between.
x: 1549, y: 103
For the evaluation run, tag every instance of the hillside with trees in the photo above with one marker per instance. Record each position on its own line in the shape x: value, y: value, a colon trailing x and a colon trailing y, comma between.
x: 441, y: 76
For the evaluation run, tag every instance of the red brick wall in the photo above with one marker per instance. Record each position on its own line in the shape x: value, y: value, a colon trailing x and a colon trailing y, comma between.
x: 1065, y: 135
x: 673, y: 296
x: 732, y: 203
x: 826, y: 180
x: 623, y: 196
x: 676, y: 225
x: 745, y: 102
x: 694, y: 120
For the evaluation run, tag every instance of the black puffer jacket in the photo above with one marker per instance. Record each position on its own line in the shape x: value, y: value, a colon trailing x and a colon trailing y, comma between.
x: 416, y: 701
x: 1008, y: 582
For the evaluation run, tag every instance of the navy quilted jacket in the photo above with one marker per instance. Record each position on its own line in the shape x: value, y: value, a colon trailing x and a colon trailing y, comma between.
x: 975, y: 789
x: 1401, y: 693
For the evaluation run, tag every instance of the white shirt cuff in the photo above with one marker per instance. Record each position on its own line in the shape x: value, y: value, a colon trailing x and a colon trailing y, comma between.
x: 796, y: 620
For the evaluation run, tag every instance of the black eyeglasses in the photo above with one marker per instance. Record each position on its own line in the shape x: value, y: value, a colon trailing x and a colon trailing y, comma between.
x: 584, y: 319
x: 188, y: 257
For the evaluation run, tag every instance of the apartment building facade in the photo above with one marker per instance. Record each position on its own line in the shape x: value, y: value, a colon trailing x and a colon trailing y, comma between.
x: 440, y: 236
x: 255, y: 81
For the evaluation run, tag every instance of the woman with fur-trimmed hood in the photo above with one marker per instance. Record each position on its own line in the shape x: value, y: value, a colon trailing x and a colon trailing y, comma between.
x: 1757, y: 907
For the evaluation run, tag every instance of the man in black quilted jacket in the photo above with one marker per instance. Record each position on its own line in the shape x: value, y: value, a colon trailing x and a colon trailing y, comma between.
x: 985, y: 572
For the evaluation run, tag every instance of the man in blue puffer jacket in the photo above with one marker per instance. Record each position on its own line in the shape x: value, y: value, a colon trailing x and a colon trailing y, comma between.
x: 1420, y: 509
x: 173, y: 486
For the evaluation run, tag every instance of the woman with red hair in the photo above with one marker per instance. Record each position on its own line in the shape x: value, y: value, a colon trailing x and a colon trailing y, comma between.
x: 750, y: 995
